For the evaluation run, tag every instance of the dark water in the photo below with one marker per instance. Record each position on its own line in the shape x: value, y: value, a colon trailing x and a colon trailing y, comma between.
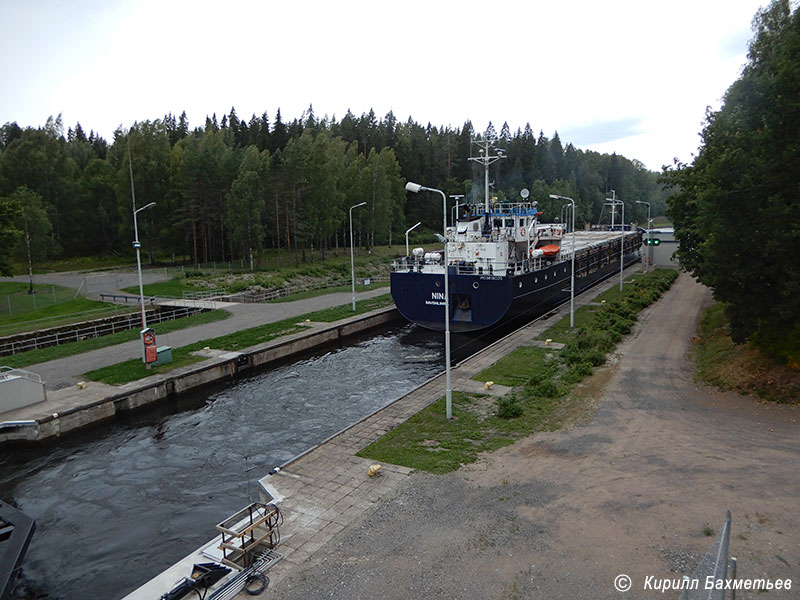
x: 118, y: 504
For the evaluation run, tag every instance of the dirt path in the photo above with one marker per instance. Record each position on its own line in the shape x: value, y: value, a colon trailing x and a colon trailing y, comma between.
x: 561, y: 514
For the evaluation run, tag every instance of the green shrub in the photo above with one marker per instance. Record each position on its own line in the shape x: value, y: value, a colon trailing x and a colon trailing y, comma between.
x: 622, y: 327
x: 595, y: 358
x: 509, y: 408
x: 583, y: 369
x: 237, y: 286
x: 546, y: 389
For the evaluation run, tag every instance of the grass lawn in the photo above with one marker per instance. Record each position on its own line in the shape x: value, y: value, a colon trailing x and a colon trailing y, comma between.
x: 661, y: 222
x: 428, y: 441
x: 173, y: 288
x: 517, y: 368
x: 50, y: 306
x: 330, y: 290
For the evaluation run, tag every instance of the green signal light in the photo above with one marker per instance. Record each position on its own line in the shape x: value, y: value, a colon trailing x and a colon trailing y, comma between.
x: 653, y: 242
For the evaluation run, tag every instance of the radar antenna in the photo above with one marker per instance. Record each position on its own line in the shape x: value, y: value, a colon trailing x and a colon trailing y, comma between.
x: 485, y: 158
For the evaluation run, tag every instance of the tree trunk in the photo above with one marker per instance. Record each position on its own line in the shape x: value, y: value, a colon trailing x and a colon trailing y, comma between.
x: 194, y: 244
x: 278, y: 228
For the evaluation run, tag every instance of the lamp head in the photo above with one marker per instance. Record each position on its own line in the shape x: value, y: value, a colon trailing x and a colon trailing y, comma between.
x: 555, y: 196
x: 413, y: 187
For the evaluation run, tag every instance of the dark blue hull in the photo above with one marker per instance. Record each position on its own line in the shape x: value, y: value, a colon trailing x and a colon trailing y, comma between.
x: 480, y: 301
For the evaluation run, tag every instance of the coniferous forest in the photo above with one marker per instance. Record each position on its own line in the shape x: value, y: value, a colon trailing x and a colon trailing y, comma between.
x: 233, y: 187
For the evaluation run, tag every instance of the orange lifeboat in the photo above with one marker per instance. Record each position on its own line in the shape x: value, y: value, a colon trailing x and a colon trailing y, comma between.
x: 550, y: 250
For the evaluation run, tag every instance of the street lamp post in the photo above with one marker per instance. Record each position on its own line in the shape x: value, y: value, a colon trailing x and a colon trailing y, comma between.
x: 649, y: 247
x: 409, y: 230
x: 621, y: 242
x: 456, y: 197
x: 572, y: 275
x: 352, y: 259
x: 621, y: 245
x: 416, y: 188
x: 138, y: 245
x: 563, y: 211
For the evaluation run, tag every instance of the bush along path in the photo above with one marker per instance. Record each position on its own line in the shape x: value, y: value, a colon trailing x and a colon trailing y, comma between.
x: 542, y: 378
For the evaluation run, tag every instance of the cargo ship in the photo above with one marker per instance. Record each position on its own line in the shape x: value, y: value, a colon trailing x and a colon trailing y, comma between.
x: 504, y: 264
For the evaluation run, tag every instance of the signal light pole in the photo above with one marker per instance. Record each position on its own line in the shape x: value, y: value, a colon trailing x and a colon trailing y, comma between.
x: 649, y: 243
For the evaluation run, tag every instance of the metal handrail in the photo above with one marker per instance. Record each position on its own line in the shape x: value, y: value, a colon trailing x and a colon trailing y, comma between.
x: 8, y: 372
x: 91, y: 330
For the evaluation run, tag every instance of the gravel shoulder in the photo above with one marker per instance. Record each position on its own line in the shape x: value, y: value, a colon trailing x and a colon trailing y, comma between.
x: 650, y: 462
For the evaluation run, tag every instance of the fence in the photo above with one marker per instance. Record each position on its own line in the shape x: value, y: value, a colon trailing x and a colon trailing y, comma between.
x: 8, y: 372
x: 23, y: 302
x: 204, y: 295
x: 279, y: 293
x: 116, y: 298
x: 715, y: 565
x: 44, y: 339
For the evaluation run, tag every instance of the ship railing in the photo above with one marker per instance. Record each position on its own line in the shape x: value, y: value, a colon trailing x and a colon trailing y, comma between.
x: 414, y: 264
x: 407, y: 263
x: 500, y: 208
x: 513, y: 208
x: 486, y: 266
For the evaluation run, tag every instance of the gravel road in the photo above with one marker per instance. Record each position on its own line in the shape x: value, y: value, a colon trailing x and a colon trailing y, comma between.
x: 630, y: 487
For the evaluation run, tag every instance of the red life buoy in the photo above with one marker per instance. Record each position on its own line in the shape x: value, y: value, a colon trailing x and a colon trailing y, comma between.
x: 522, y: 231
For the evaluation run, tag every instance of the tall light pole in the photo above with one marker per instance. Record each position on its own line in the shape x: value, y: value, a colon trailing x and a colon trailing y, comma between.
x: 409, y: 230
x: 621, y: 245
x: 649, y: 247
x: 563, y: 212
x: 614, y: 201
x: 352, y: 259
x: 138, y: 245
x: 417, y: 188
x: 572, y: 275
x: 456, y: 197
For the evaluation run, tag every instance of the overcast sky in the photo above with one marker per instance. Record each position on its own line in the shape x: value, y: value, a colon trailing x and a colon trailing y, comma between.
x: 632, y: 77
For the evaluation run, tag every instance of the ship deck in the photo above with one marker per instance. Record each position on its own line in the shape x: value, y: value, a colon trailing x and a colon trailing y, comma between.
x: 588, y: 239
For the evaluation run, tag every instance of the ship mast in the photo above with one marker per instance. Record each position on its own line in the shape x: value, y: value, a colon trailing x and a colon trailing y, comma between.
x: 486, y: 159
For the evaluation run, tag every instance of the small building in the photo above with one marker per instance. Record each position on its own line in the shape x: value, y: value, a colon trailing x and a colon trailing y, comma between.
x: 660, y: 250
